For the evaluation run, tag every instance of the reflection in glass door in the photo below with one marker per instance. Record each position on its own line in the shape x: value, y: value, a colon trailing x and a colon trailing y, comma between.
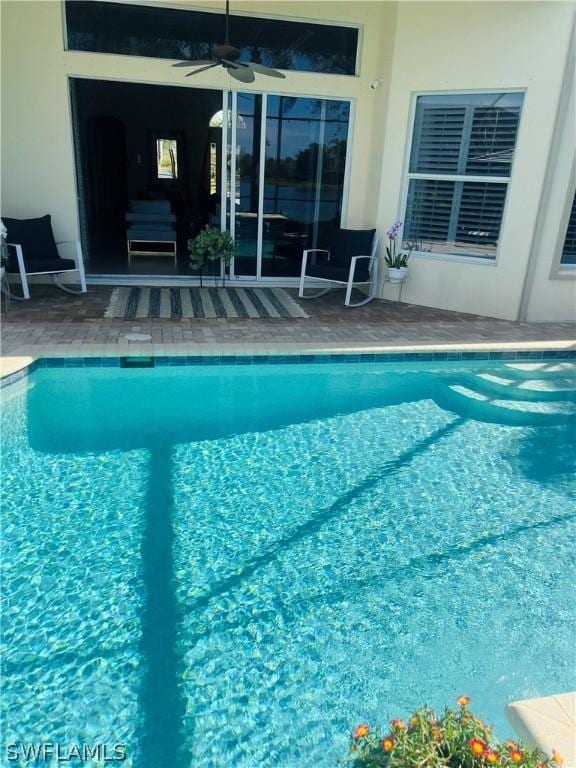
x: 285, y: 187
x: 304, y: 178
x: 246, y: 128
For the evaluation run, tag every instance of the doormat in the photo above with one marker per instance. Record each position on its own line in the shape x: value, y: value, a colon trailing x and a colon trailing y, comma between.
x: 202, y: 303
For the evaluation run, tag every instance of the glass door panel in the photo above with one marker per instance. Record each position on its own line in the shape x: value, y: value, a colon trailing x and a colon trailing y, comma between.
x: 303, y: 178
x: 331, y: 170
x: 245, y: 171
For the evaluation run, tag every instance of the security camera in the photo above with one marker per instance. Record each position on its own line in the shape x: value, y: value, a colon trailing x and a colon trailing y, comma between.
x: 375, y: 84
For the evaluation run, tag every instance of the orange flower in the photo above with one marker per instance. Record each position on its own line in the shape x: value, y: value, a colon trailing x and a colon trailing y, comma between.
x: 463, y: 701
x: 400, y: 725
x: 490, y: 756
x: 477, y: 746
x: 435, y: 732
x: 516, y: 755
x: 557, y: 757
x: 361, y: 731
x: 387, y: 744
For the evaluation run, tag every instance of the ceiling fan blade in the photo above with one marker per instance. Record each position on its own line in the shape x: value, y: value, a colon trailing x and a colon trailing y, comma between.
x: 199, y: 63
x: 244, y: 74
x: 233, y: 64
x: 260, y: 69
x: 203, y: 69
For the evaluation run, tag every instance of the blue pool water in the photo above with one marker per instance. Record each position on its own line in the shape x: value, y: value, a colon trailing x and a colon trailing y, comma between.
x: 229, y: 567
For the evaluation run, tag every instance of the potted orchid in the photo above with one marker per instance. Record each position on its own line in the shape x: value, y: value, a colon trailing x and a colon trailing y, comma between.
x: 396, y: 261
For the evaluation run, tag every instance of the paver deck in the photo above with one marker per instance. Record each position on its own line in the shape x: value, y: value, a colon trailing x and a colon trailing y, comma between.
x: 53, y: 323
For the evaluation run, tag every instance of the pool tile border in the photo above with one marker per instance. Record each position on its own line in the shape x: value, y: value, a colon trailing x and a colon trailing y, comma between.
x: 288, y: 359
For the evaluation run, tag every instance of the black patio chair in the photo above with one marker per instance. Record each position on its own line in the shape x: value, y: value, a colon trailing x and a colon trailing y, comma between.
x: 32, y: 250
x: 349, y: 259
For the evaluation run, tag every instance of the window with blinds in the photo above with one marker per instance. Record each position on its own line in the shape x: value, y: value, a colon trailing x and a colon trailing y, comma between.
x: 569, y: 249
x: 460, y: 165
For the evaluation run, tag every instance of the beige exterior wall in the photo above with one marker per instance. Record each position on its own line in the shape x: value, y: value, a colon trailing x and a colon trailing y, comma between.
x: 414, y: 47
x: 480, y: 46
x: 551, y: 287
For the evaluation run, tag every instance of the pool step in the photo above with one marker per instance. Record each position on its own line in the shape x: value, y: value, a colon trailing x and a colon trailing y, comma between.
x: 501, y: 386
x: 540, y: 370
x: 473, y: 404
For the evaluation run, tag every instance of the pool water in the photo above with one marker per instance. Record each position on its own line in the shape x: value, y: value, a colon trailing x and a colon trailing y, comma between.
x: 230, y: 566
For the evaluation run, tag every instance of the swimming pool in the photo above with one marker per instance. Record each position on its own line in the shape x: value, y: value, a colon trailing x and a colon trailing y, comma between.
x: 228, y: 566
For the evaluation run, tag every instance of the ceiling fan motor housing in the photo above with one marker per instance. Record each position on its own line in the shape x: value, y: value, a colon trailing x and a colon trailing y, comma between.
x: 226, y: 51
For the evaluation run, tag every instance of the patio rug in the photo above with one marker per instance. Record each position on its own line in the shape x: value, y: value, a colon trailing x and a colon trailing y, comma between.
x: 177, y: 303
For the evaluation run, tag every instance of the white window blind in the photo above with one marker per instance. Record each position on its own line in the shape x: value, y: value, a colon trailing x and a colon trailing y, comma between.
x: 460, y: 165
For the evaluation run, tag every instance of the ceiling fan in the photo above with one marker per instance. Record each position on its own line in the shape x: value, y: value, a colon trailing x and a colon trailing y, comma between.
x: 226, y: 55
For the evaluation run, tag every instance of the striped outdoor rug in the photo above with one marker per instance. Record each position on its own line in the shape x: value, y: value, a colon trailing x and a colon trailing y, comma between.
x: 176, y: 303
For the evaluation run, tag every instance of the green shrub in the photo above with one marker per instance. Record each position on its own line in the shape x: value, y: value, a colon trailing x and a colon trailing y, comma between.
x: 210, y: 245
x: 456, y: 739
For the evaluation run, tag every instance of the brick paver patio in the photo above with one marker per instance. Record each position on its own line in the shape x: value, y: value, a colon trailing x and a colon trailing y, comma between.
x: 54, y: 323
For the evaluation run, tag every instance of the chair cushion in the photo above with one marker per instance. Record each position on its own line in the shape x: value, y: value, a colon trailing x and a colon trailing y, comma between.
x: 343, y: 244
x: 150, y: 234
x: 150, y: 206
x: 37, y: 241
x: 42, y: 265
x: 143, y: 218
x: 330, y: 271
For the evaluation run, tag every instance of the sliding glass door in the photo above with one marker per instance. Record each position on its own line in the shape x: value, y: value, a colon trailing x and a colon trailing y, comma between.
x: 269, y: 169
x: 286, y: 167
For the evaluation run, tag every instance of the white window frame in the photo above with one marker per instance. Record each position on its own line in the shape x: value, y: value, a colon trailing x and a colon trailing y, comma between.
x: 408, y: 176
x: 560, y: 270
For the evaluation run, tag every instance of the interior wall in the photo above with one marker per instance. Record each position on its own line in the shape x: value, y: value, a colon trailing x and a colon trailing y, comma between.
x: 467, y: 46
x: 117, y: 125
x: 147, y: 110
x: 38, y: 172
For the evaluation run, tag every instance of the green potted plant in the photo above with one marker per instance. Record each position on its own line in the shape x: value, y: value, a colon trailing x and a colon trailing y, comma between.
x: 211, y: 245
x: 455, y: 739
x: 396, y: 261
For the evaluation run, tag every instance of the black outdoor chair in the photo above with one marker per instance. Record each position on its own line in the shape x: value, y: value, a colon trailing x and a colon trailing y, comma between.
x: 32, y: 250
x: 349, y: 259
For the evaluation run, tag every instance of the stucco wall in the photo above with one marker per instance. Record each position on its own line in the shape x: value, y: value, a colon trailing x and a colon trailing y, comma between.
x: 480, y: 46
x: 551, y: 287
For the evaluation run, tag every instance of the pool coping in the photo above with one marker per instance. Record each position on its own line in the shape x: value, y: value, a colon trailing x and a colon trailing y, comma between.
x: 14, y: 368
x: 547, y: 722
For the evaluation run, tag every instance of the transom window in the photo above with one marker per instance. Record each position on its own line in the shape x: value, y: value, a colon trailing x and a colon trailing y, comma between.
x: 173, y: 33
x: 460, y: 165
x: 568, y: 257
